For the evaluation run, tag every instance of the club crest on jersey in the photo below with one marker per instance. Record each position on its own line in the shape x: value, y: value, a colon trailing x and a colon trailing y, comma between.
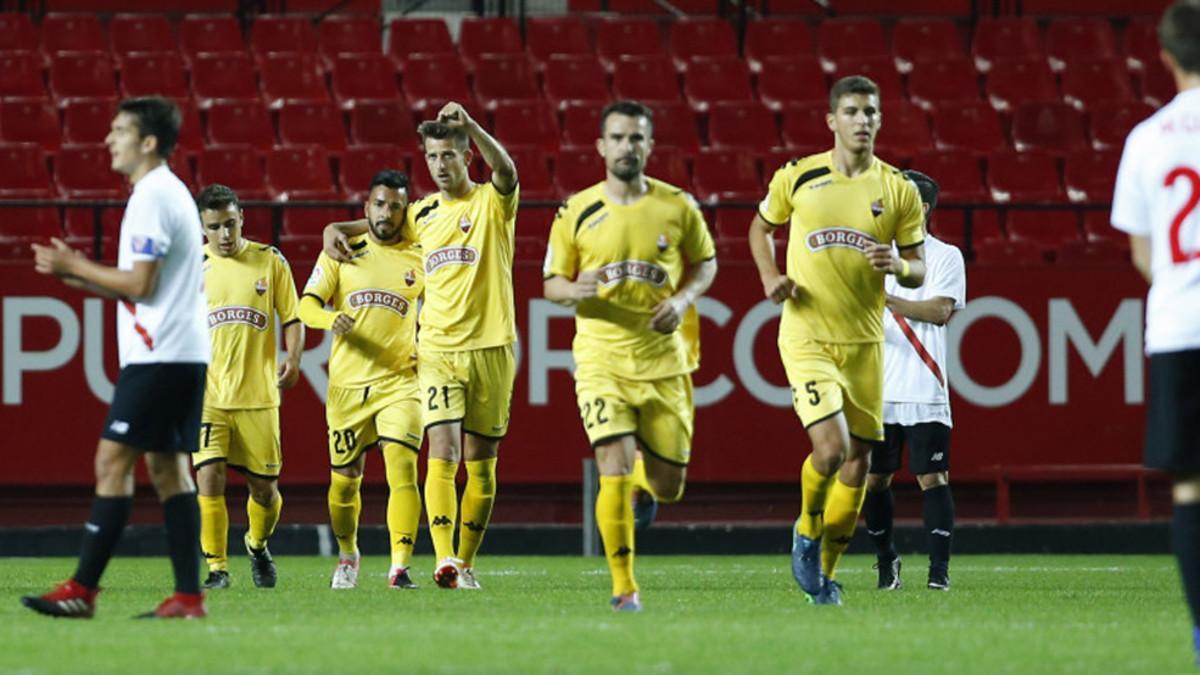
x: 634, y: 270
x: 842, y: 237
x: 464, y: 224
x: 260, y: 286
x: 877, y: 208
x: 248, y: 316
x: 410, y: 278
x: 450, y: 255
x: 377, y: 297
x: 662, y: 243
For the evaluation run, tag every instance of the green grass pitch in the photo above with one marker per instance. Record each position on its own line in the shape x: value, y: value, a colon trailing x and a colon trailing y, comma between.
x: 703, y: 614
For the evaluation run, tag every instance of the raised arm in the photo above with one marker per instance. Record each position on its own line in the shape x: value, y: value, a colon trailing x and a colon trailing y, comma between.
x: 504, y: 171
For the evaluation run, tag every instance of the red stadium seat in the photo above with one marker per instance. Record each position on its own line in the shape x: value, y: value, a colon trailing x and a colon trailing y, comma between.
x: 616, y: 38
x: 1048, y: 229
x: 181, y: 167
x: 418, y: 36
x: 429, y: 78
x: 850, y: 38
x: 504, y: 77
x: 30, y: 121
x: 776, y: 38
x: 881, y: 70
x: 648, y: 79
x: 1096, y: 227
x: 23, y: 172
x: 675, y: 127
x: 726, y: 176
x: 791, y: 81
x: 191, y: 133
x: 1068, y: 39
x: 712, y: 80
x: 84, y: 172
x: 1110, y: 122
x: 87, y: 120
x: 1010, y: 83
x: 1086, y: 83
x: 240, y: 123
x: 131, y: 33
x: 362, y: 162
x: 944, y: 81
x: 957, y: 174
x: 925, y: 40
x: 306, y: 123
x: 950, y: 224
x: 21, y: 75
x: 1050, y: 127
x: 581, y: 124
x: 159, y: 74
x: 17, y: 33
x: 905, y: 133
x: 576, y: 79
x: 669, y: 165
x: 1141, y: 44
x: 282, y: 33
x: 973, y: 128
x: 210, y: 34
x: 355, y: 34
x: 300, y: 173
x: 1024, y: 177
x: 386, y: 122
x: 81, y: 75
x: 700, y: 37
x: 804, y: 130
x: 221, y: 77
x: 1007, y: 38
x: 488, y: 35
x: 72, y: 33
x: 528, y: 123
x: 536, y: 182
x: 1157, y: 84
x: 549, y: 36
x: 292, y: 77
x: 576, y: 168
x: 745, y: 126
x: 1089, y: 175
x: 1003, y: 252
x: 364, y: 77
x: 1089, y: 252
x: 239, y: 167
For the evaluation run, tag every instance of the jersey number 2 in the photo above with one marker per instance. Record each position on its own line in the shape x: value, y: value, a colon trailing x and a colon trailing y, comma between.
x: 1178, y: 255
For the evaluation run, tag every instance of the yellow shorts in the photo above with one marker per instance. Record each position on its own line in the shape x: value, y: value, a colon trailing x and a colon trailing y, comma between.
x: 246, y: 440
x: 359, y: 417
x: 828, y: 378
x: 659, y: 413
x: 473, y: 386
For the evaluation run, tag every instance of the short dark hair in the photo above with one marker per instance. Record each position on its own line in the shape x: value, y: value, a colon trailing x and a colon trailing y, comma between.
x: 629, y: 109
x: 390, y: 178
x: 851, y: 84
x: 157, y: 117
x: 216, y: 197
x: 927, y: 186
x: 440, y: 131
x: 1179, y: 34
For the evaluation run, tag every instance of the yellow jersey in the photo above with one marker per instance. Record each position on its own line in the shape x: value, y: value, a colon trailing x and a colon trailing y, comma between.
x: 246, y: 291
x: 379, y: 289
x: 642, y: 250
x: 833, y: 219
x: 468, y: 245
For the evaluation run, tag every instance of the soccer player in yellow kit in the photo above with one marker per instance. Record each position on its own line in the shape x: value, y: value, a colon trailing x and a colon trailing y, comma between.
x: 845, y: 207
x: 248, y: 285
x: 631, y: 254
x: 468, y: 330
x: 373, y: 396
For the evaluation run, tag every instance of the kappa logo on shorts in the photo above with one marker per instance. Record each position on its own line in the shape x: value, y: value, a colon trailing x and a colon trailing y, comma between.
x: 841, y: 237
x: 249, y: 316
x: 634, y: 270
x: 119, y: 427
x: 450, y: 255
x: 377, y: 297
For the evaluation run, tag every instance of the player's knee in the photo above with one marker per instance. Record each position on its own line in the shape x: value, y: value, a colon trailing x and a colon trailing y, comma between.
x: 928, y: 481
x: 169, y: 475
x: 351, y: 471
x: 262, y: 490
x: 210, y: 480
x: 667, y: 490
x: 878, y: 482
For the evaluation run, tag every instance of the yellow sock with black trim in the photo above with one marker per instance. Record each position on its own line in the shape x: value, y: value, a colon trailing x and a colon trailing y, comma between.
x: 614, y: 517
x: 345, y: 504
x: 441, y: 505
x: 263, y: 520
x: 841, y: 517
x: 814, y: 490
x: 214, y: 532
x: 404, y: 501
x: 478, y: 498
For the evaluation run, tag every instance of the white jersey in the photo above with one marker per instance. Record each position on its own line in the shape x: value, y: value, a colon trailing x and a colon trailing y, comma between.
x: 914, y: 382
x: 161, y: 223
x: 1157, y: 196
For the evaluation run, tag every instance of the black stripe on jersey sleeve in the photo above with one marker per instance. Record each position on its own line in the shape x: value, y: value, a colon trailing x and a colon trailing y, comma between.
x: 811, y: 174
x: 298, y: 320
x: 315, y: 297
x: 908, y: 246
x: 425, y: 211
x: 587, y: 212
x: 359, y: 246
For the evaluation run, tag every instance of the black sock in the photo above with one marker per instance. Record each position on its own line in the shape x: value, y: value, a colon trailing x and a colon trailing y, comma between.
x: 1185, y: 540
x: 938, y: 513
x: 879, y: 509
x: 100, y: 536
x: 182, y: 515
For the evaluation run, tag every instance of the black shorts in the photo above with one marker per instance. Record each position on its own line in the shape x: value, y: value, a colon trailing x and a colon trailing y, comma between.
x: 157, y: 407
x: 1173, y: 415
x: 928, y: 448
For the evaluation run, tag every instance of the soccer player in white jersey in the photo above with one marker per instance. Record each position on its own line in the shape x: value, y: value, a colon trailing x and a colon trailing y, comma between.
x: 162, y: 337
x: 916, y: 402
x: 1155, y: 202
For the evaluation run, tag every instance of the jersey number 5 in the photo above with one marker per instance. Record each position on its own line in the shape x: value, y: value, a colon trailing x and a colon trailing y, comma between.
x: 1178, y: 255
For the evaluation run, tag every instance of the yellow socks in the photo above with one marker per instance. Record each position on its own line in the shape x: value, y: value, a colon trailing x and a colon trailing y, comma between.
x: 262, y: 520
x: 614, y: 516
x: 841, y: 516
x: 441, y: 505
x: 214, y: 531
x: 638, y: 476
x: 345, y: 503
x: 477, y: 501
x: 404, y: 501
x: 814, y: 488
